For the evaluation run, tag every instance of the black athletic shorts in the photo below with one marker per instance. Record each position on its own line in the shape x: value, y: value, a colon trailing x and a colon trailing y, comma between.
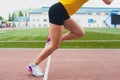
x: 58, y: 14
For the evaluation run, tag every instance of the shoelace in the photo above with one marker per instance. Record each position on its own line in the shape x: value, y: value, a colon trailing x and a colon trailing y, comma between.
x: 38, y: 70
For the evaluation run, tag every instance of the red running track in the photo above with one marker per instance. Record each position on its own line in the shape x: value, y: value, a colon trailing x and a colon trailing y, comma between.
x: 65, y: 64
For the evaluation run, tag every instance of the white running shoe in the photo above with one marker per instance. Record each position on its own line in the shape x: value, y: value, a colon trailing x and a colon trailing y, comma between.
x: 35, y: 70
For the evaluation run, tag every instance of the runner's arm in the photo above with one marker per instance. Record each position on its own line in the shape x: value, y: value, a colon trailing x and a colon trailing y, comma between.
x: 108, y: 2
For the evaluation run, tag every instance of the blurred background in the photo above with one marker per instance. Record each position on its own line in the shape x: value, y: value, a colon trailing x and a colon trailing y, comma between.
x: 24, y: 24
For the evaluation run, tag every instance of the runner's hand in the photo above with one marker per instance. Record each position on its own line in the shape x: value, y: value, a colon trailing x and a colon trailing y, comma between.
x: 108, y: 2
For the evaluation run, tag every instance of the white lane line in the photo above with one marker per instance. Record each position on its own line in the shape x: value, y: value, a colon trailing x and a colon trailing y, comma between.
x: 47, y: 68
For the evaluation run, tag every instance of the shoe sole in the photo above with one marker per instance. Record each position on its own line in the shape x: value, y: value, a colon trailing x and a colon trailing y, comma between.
x: 29, y: 69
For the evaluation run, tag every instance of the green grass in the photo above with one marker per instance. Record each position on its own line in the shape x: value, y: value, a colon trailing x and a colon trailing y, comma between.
x: 35, y: 38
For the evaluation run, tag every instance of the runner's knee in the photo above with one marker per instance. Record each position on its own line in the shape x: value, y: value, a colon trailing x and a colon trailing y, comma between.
x: 80, y: 34
x: 54, y: 46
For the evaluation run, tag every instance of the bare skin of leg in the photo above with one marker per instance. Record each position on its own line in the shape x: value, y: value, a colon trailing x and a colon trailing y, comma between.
x: 75, y: 31
x: 55, y: 31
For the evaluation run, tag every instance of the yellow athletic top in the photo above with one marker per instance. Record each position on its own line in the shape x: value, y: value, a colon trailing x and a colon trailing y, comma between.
x: 72, y: 5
